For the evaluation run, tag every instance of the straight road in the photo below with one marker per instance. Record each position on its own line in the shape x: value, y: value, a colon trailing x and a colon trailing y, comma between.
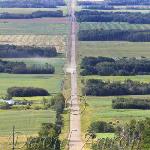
x: 75, y: 142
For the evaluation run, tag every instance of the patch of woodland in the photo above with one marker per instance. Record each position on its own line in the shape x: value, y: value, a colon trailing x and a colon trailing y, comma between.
x: 14, y: 51
x: 97, y: 87
x: 106, y: 66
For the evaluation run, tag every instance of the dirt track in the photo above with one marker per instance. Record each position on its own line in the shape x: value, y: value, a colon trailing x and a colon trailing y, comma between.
x: 75, y: 142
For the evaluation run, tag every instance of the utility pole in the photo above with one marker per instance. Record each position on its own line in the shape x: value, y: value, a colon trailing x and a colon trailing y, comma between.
x: 13, y: 138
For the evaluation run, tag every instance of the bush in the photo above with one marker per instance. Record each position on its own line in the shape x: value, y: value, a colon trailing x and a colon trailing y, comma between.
x: 4, y: 105
x: 26, y: 92
x: 101, y: 127
x: 124, y: 103
x: 96, y: 87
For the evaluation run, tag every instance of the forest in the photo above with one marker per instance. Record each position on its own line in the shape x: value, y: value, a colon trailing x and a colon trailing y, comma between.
x: 96, y: 87
x: 130, y: 103
x: 97, y: 16
x: 36, y: 14
x: 13, y: 51
x: 114, y: 35
x: 22, y: 68
x: 120, y: 66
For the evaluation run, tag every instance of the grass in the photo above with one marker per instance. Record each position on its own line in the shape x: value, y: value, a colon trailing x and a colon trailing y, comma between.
x: 25, y: 121
x: 52, y: 83
x: 113, y: 25
x: 99, y: 108
x: 30, y: 10
x: 140, y: 78
x: 104, y: 135
x: 32, y: 27
x: 114, y: 49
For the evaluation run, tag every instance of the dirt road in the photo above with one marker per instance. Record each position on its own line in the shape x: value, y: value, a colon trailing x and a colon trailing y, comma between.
x: 75, y: 142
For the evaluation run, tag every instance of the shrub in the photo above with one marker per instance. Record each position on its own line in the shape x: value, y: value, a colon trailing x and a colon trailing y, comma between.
x: 101, y: 127
x: 131, y: 103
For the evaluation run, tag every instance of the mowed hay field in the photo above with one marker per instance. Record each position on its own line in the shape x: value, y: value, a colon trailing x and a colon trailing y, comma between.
x: 57, y: 41
x: 113, y: 49
x: 99, y: 108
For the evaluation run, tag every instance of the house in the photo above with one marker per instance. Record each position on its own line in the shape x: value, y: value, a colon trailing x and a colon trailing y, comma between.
x: 10, y: 102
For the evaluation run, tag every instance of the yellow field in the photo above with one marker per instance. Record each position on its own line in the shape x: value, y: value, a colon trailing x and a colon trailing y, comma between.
x: 39, y: 40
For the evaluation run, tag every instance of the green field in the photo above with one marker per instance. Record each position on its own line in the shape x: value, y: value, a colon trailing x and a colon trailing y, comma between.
x: 44, y: 26
x: 114, y: 49
x: 113, y: 25
x: 30, y: 10
x: 50, y: 82
x: 140, y: 78
x: 99, y: 108
x: 25, y: 121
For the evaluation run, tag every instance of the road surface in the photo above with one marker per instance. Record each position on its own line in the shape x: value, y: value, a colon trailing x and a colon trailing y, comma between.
x: 75, y: 142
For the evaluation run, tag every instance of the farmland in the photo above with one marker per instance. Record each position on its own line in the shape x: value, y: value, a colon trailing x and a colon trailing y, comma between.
x: 114, y: 49
x: 44, y: 26
x: 99, y: 108
x: 27, y: 122
x: 113, y: 25
x: 39, y: 40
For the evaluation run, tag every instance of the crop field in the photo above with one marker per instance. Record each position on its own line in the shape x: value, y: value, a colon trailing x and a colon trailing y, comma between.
x: 35, y: 40
x: 113, y: 25
x: 25, y: 121
x: 114, y: 49
x: 99, y: 108
x: 40, y: 26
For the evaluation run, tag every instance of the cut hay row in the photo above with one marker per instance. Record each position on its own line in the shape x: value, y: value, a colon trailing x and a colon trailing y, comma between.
x: 114, y: 25
x: 35, y: 40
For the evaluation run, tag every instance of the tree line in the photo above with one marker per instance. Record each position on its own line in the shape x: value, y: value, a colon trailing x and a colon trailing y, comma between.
x: 26, y: 92
x: 108, y: 66
x: 130, y: 103
x: 22, y: 68
x: 96, y: 87
x: 13, y: 51
x: 36, y: 14
x: 114, y: 35
x: 48, y: 136
x: 97, y: 16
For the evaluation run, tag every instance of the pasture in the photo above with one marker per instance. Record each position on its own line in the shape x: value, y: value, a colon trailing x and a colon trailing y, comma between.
x: 26, y: 121
x: 99, y: 108
x: 39, y: 26
x: 113, y: 25
x: 114, y: 49
x: 50, y: 82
